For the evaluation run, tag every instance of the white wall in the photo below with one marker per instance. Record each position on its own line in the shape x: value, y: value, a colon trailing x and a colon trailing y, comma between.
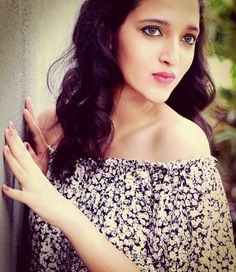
x: 32, y: 35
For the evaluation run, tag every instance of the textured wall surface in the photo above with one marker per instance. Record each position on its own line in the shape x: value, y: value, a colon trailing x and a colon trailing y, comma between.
x: 32, y: 35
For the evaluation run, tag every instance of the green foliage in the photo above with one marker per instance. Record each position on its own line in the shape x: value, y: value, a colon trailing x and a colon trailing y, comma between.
x: 229, y: 95
x: 221, y: 26
x: 221, y: 19
x: 233, y: 74
x: 228, y: 135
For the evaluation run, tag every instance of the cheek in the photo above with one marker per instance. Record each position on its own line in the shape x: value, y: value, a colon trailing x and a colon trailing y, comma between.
x: 187, y: 60
x: 133, y: 59
x: 131, y: 50
x: 125, y: 55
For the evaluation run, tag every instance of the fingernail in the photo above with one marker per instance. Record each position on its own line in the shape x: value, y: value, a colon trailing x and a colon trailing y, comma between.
x: 5, y: 187
x: 28, y: 98
x: 11, y: 125
x: 27, y: 146
x: 9, y: 132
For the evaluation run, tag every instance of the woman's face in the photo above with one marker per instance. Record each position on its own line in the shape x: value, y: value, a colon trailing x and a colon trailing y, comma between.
x: 155, y: 46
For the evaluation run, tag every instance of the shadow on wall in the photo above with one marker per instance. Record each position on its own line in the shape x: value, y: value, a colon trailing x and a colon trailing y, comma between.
x: 12, y: 90
x: 28, y: 47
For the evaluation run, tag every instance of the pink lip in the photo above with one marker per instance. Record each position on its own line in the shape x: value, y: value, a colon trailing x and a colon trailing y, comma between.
x: 164, y: 77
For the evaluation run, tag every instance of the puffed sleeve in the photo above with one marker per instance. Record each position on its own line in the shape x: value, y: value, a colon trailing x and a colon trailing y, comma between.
x: 192, y: 221
x: 209, y: 219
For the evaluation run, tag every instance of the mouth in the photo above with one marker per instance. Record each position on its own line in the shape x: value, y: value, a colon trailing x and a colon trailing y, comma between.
x: 164, y: 77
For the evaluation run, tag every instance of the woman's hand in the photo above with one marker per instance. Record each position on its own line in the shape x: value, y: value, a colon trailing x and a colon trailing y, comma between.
x: 40, y: 151
x: 37, y: 192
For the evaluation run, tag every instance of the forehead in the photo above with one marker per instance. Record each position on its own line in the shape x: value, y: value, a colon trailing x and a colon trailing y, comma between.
x: 176, y: 11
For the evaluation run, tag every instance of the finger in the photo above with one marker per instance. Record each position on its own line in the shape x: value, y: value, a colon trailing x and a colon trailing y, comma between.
x: 19, y: 151
x: 29, y: 107
x: 31, y: 151
x: 13, y: 193
x: 32, y: 122
x: 40, y: 143
x: 41, y: 161
x: 18, y: 171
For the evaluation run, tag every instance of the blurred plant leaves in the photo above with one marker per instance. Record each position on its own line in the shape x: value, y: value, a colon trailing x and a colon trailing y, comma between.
x: 227, y: 135
x: 221, y: 20
x: 221, y: 26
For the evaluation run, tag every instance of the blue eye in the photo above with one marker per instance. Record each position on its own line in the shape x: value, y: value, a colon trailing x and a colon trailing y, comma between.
x: 190, y: 39
x: 152, y: 31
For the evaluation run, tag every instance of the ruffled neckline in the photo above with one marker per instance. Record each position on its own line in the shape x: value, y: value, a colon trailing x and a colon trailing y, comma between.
x: 113, y: 161
x: 182, y: 161
x: 166, y: 164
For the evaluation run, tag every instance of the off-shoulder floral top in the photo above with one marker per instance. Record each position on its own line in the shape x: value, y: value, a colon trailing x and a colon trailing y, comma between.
x: 165, y: 217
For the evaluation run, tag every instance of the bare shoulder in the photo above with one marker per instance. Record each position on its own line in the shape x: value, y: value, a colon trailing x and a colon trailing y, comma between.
x: 181, y: 138
x: 51, y: 130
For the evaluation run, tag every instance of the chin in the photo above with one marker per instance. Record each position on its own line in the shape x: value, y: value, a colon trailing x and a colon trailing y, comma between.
x: 157, y: 96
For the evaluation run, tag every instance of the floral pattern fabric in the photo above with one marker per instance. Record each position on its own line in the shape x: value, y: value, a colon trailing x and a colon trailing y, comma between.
x: 165, y: 217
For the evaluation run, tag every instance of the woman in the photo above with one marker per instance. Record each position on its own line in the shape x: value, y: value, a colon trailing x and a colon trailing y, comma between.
x: 133, y: 185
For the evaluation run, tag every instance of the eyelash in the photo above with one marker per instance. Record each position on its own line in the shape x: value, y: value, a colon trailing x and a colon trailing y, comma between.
x: 147, y: 28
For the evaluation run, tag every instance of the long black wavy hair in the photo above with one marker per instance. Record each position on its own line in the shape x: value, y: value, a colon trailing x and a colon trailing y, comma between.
x: 86, y: 98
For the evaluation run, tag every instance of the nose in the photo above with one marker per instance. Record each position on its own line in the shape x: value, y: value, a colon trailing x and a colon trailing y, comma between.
x: 170, y: 53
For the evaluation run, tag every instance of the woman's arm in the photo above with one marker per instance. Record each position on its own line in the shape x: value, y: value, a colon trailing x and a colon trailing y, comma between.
x: 39, y: 194
x: 209, y: 221
x: 93, y: 248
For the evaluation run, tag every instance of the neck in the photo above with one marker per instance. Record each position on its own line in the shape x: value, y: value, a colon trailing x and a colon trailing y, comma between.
x: 133, y: 111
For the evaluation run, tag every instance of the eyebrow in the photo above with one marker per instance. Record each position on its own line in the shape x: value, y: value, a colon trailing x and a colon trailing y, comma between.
x: 165, y: 23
